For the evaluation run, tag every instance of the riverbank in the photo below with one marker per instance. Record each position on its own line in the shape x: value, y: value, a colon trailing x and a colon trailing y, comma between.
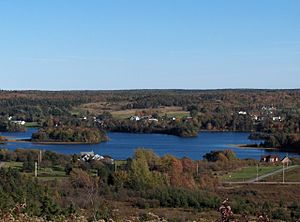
x: 47, y: 143
x: 253, y: 146
x: 63, y: 143
x: 51, y: 142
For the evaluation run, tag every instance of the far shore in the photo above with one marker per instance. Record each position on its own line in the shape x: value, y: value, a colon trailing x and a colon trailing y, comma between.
x: 253, y: 146
x: 63, y: 143
x: 50, y: 142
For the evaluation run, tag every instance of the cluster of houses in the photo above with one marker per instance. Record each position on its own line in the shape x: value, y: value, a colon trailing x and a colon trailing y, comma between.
x: 148, y: 118
x: 19, y: 122
x: 269, y: 109
x: 89, y: 156
x: 266, y: 112
x: 275, y: 159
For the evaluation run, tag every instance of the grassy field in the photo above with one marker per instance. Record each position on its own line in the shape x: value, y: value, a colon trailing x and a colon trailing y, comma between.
x: 291, y: 175
x: 248, y: 173
x: 171, y: 112
x: 47, y: 173
x: 32, y: 124
x: 15, y: 165
x: 116, y: 110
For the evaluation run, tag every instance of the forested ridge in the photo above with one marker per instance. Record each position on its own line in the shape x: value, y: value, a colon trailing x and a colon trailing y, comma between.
x: 270, y: 112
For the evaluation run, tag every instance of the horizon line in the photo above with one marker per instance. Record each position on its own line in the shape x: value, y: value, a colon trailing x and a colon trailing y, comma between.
x: 147, y: 89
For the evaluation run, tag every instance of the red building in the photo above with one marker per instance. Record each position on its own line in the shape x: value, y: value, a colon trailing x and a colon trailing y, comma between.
x: 270, y: 158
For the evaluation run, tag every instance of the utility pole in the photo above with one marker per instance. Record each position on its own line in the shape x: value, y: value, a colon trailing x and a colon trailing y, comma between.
x: 256, y: 172
x: 283, y: 173
x: 35, y: 169
x: 40, y: 157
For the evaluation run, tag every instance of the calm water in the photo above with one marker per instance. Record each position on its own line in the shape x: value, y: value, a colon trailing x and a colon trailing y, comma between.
x: 122, y: 145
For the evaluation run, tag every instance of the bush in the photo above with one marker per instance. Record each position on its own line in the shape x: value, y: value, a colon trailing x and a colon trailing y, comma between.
x: 279, y: 214
x: 178, y: 197
x: 28, y: 167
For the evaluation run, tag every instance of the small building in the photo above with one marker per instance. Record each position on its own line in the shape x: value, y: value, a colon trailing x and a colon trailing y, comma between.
x: 135, y: 118
x: 270, y: 158
x: 19, y: 122
x: 286, y: 160
x: 276, y: 118
x: 86, y: 156
x: 242, y: 113
x: 89, y: 156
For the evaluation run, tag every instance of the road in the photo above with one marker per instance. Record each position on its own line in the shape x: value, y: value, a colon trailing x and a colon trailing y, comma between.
x: 256, y: 180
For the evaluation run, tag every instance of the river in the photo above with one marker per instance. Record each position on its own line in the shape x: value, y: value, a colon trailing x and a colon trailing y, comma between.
x: 122, y: 145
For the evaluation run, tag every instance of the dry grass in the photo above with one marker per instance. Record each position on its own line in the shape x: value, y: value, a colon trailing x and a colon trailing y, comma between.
x: 172, y: 111
x: 116, y: 110
x: 98, y: 107
x: 259, y: 193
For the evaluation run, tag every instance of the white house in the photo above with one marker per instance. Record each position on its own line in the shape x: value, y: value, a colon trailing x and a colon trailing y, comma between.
x: 242, y: 113
x: 97, y: 157
x: 86, y: 156
x: 286, y: 160
x: 276, y: 118
x: 20, y: 122
x: 135, y: 118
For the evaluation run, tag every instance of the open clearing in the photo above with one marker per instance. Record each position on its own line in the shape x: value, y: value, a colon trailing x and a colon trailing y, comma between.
x: 291, y: 175
x: 248, y: 173
x: 116, y: 110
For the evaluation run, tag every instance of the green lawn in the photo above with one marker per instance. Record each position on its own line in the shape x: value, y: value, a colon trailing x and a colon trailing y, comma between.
x: 32, y: 124
x: 48, y: 173
x: 291, y: 175
x: 248, y: 173
x: 125, y: 114
x: 16, y: 165
x: 178, y: 114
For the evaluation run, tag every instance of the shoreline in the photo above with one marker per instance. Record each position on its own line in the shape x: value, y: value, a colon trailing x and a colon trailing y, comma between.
x: 49, y: 142
x: 252, y: 146
x: 62, y: 143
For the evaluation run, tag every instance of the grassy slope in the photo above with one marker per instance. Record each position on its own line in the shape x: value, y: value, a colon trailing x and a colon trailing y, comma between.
x: 292, y: 175
x: 43, y: 173
x: 249, y: 173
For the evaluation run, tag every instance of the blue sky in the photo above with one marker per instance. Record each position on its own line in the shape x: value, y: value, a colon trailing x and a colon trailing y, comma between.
x: 130, y: 44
